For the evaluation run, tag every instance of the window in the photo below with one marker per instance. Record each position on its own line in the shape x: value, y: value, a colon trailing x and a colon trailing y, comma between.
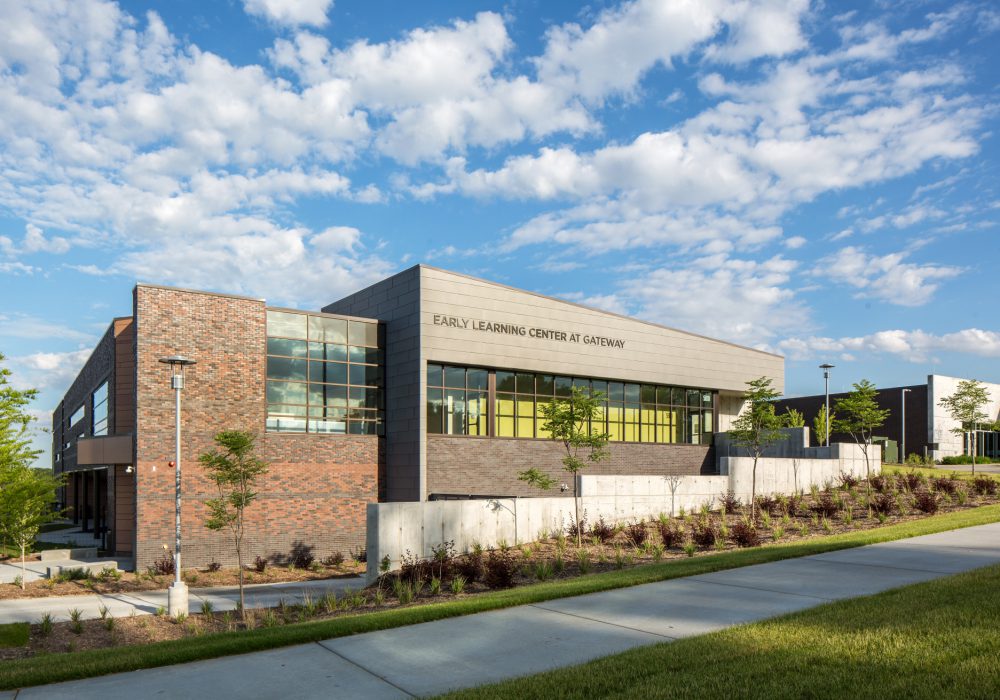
x: 99, y: 410
x: 76, y: 417
x: 324, y: 375
x: 457, y: 398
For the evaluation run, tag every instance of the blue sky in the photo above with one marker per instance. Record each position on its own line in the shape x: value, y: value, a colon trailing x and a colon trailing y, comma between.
x: 816, y: 179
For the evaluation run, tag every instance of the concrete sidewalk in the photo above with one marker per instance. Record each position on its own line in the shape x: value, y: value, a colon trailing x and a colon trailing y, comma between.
x: 434, y: 657
x: 260, y: 595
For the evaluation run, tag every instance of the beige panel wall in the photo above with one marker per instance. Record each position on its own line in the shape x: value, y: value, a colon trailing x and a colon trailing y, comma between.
x: 650, y: 353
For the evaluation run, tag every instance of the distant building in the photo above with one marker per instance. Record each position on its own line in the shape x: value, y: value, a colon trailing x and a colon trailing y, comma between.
x: 928, y: 426
x: 426, y: 385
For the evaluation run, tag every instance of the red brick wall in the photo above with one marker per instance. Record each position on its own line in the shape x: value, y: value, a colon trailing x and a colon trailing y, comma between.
x: 489, y: 466
x: 317, y: 487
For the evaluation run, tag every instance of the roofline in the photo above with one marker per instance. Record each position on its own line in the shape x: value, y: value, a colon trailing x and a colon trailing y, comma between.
x: 591, y: 308
x: 199, y: 291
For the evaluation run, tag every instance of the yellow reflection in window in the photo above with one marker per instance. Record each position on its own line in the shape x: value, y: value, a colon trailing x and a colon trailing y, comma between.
x: 525, y: 416
x: 505, y: 415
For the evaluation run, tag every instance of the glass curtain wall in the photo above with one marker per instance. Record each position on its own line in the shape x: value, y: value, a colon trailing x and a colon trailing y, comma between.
x: 324, y: 375
x: 457, y: 405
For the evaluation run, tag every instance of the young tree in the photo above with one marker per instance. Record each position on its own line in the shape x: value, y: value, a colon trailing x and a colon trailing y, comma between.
x: 757, y: 427
x: 234, y: 468
x: 861, y: 415
x: 793, y: 419
x: 26, y: 498
x: 966, y: 408
x: 568, y: 421
x: 15, y: 436
x: 820, y: 427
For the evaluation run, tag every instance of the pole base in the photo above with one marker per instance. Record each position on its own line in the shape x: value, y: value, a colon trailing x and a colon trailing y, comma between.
x: 177, y: 599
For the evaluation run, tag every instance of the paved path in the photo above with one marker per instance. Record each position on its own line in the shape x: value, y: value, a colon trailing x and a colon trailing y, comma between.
x: 145, y: 603
x: 461, y: 652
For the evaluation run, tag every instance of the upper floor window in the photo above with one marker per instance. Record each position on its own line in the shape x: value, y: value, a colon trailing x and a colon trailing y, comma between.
x: 324, y: 375
x: 77, y: 416
x: 99, y: 411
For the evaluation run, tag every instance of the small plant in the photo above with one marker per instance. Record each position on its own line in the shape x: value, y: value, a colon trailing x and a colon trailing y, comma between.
x: 583, y: 561
x: 227, y: 620
x: 803, y: 530
x: 500, y: 569
x: 882, y: 517
x: 214, y: 567
x: 269, y: 618
x: 502, y: 545
x: 259, y: 564
x: 206, y: 608
x: 777, y: 533
x: 637, y: 533
x: 180, y: 618
x: 160, y: 611
x: 164, y: 566
x: 984, y: 486
x: 558, y: 565
x: 109, y: 623
x: 826, y: 505
x: 328, y: 601
x: 704, y: 533
x: 19, y: 581
x: 926, y: 502
x: 45, y: 625
x: 109, y: 573
x: 77, y: 574
x: 827, y: 528
x: 541, y: 570
x: 671, y: 534
x: 403, y: 590
x: 729, y: 503
x: 337, y: 558
x: 848, y: 480
x: 882, y: 503
x: 383, y: 566
x: 689, y: 549
x: 961, y: 496
x: 744, y: 533
x: 945, y: 484
x: 76, y: 619
x: 768, y: 505
x: 622, y: 558
x: 602, y: 530
x: 470, y: 567
x: 435, y: 585
x: 378, y: 598
x: 458, y: 585
x: 848, y: 516
x: 765, y: 518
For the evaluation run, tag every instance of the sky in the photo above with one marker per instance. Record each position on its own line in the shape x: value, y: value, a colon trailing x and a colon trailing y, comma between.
x: 816, y: 179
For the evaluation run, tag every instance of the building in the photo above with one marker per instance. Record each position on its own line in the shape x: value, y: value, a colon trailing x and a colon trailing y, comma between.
x: 426, y: 385
x: 928, y: 427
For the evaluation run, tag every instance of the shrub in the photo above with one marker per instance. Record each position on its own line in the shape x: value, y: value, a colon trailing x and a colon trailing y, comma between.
x: 501, y: 567
x: 637, y: 533
x: 704, y: 533
x: 602, y: 531
x: 769, y: 505
x: 164, y: 566
x: 583, y: 561
x: 335, y: 559
x: 301, y: 556
x: 470, y: 567
x: 916, y: 460
x: 880, y: 483
x: 826, y: 505
x: 458, y: 584
x: 45, y: 625
x: 848, y: 480
x: 442, y: 558
x: 793, y: 506
x: 403, y: 590
x: 730, y: 502
x: 259, y: 564
x: 579, y: 528
x: 214, y: 566
x: 945, y: 484
x: 984, y: 486
x: 744, y: 534
x: 413, y: 569
x: 672, y: 534
x: 883, y: 503
x: 957, y: 459
x: 926, y: 502
x: 912, y: 481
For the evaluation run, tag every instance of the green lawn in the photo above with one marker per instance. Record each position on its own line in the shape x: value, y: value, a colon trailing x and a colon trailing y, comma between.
x: 931, y: 640
x: 15, y: 552
x: 83, y: 664
x: 14, y: 634
x: 940, y: 470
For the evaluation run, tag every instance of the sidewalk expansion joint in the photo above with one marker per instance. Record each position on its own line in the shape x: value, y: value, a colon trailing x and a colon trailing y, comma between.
x: 603, y: 622
x: 758, y: 588
x: 366, y: 670
x: 894, y: 568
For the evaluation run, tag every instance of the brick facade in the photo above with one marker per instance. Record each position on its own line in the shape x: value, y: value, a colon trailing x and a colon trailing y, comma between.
x: 317, y: 487
x: 489, y: 466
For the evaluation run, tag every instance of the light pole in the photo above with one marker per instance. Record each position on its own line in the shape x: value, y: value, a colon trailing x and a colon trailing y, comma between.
x: 177, y: 594
x: 902, y: 440
x: 826, y: 367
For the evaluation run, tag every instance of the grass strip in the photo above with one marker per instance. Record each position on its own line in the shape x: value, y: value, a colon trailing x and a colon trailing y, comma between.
x: 84, y: 664
x: 14, y: 634
x: 939, y: 639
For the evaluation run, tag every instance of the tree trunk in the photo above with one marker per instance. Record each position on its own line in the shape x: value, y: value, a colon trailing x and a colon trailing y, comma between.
x: 972, y: 444
x: 753, y: 493
x: 576, y: 510
x: 239, y: 562
x: 22, y: 567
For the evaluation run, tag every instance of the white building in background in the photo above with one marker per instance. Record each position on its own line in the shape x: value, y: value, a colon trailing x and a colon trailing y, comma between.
x: 940, y: 424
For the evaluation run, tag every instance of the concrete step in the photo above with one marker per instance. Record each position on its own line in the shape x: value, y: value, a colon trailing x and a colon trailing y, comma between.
x: 78, y: 553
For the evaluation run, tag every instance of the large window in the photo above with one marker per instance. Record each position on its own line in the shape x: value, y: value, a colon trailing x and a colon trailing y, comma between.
x: 76, y: 417
x: 324, y: 375
x: 456, y: 405
x: 99, y: 412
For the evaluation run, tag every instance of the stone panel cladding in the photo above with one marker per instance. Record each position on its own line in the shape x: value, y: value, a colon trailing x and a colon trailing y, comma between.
x: 489, y: 466
x: 318, y: 486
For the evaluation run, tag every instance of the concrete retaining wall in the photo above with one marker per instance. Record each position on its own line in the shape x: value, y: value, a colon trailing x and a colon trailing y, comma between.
x: 397, y: 528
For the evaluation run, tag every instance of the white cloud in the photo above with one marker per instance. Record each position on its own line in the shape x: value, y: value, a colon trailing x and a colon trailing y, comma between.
x: 290, y: 12
x: 29, y: 327
x: 884, y: 277
x: 46, y: 370
x: 913, y: 346
x: 743, y: 301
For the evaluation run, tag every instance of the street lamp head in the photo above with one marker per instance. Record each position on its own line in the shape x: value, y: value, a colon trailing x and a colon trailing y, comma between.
x: 907, y: 391
x: 177, y: 360
x: 825, y: 365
